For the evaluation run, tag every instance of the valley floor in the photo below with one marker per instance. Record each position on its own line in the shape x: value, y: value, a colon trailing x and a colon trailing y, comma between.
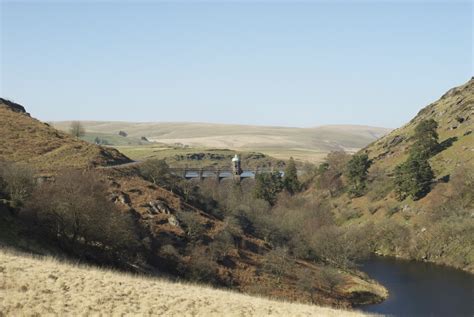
x: 45, y: 286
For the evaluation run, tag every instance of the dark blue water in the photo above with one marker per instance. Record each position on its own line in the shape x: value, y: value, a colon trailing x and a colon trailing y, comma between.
x: 421, y: 289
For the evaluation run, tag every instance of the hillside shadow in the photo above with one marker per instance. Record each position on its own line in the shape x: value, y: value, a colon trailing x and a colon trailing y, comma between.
x: 446, y: 144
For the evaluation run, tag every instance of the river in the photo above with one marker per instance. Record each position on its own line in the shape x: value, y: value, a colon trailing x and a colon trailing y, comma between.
x: 421, y: 289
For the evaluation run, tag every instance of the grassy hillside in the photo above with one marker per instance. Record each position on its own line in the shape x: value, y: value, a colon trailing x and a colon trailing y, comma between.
x: 25, y: 139
x: 309, y: 144
x: 454, y: 112
x: 439, y: 227
x: 45, y: 286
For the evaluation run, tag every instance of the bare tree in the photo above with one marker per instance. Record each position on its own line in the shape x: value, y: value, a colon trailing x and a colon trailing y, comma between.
x: 277, y: 262
x: 331, y: 278
x: 17, y: 181
x: 331, y: 171
x: 74, y: 211
x: 77, y: 129
x: 159, y: 173
x: 306, y: 284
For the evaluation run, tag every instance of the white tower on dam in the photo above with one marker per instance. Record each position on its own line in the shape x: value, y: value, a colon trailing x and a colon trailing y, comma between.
x: 236, y: 165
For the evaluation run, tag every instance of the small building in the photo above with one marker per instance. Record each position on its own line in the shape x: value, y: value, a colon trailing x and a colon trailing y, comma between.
x: 236, y: 165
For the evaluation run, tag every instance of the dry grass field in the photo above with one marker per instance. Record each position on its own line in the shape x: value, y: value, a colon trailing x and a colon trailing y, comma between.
x: 33, y: 286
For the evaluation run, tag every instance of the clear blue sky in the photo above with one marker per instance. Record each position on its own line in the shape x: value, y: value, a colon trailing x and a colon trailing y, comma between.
x: 270, y: 63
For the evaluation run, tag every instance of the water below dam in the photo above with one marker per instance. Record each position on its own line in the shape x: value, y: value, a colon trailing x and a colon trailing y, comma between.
x: 420, y: 289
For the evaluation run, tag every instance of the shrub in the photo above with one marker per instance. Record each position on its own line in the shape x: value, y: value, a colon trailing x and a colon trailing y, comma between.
x: 413, y: 178
x: 169, y: 251
x: 18, y: 182
x: 201, y: 268
x: 159, y: 173
x: 306, y: 283
x: 426, y: 139
x: 233, y: 225
x: 462, y: 182
x: 268, y: 186
x: 380, y: 184
x: 277, y: 262
x: 221, y: 246
x: 349, y: 214
x: 357, y: 171
x: 192, y: 225
x: 331, y: 171
x: 330, y: 278
x: 342, y: 247
x: 391, y: 237
x: 290, y: 180
x: 392, y: 210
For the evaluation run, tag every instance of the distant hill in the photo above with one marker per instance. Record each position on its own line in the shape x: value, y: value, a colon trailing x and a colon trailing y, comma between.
x: 281, y: 142
x: 25, y: 139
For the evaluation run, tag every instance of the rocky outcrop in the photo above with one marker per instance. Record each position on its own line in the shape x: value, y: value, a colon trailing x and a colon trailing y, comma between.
x: 158, y: 207
x: 172, y: 220
x: 120, y: 197
x: 12, y: 106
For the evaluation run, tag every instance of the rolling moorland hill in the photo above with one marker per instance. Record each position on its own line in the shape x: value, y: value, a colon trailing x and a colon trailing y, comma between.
x: 438, y: 227
x: 308, y: 144
x: 40, y: 285
x: 27, y: 140
x: 158, y: 213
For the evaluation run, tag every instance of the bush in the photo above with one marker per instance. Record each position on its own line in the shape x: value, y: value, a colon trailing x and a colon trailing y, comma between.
x: 330, y: 173
x: 159, y: 173
x: 342, y: 247
x: 268, y: 186
x: 277, y: 262
x: 331, y: 278
x: 201, y: 268
x: 221, y: 246
x: 17, y: 182
x: 462, y: 182
x: 306, y: 284
x: 390, y: 237
x: 380, y: 185
x: 426, y: 139
x: 392, y: 210
x: 75, y: 212
x: 193, y: 227
x: 413, y: 178
x: 349, y: 214
x: 357, y: 171
x: 290, y: 180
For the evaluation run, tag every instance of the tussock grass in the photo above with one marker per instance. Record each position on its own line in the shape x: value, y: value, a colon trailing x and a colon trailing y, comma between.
x: 46, y: 286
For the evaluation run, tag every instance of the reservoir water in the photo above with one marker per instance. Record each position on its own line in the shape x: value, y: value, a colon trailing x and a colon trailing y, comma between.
x: 421, y: 289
